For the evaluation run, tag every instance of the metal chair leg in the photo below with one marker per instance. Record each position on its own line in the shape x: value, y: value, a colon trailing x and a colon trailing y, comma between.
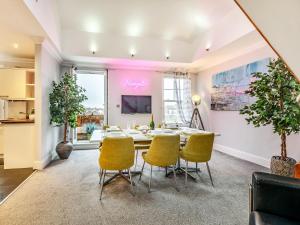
x: 175, y: 180
x: 149, y: 187
x: 102, y: 184
x: 100, y: 175
x: 211, y: 180
x: 131, y: 182
x: 142, y: 171
x: 186, y: 172
x: 136, y: 158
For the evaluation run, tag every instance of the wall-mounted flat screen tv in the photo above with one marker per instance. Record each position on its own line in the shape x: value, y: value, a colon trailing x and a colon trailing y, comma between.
x: 136, y: 104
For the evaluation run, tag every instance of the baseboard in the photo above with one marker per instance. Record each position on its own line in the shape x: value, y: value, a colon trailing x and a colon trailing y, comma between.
x: 243, y: 155
x: 39, y: 165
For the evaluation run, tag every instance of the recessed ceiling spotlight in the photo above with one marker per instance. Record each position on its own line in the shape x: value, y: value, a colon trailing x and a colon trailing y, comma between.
x: 93, y: 48
x: 15, y: 45
x: 132, y: 52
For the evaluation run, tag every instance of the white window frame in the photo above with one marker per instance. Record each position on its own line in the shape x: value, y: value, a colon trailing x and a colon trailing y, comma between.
x: 164, y: 101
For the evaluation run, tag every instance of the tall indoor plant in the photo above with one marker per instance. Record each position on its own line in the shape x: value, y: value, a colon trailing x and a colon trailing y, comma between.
x: 275, y: 103
x: 65, y: 104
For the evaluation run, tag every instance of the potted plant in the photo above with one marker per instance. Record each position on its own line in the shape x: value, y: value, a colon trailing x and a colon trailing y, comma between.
x: 89, y: 129
x: 275, y: 103
x: 65, y: 104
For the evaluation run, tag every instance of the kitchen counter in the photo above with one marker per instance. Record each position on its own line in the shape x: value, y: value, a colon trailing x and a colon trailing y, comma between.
x: 16, y: 121
x: 18, y: 144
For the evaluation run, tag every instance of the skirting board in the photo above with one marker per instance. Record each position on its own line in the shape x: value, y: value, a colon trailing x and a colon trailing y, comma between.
x: 39, y: 165
x: 243, y: 155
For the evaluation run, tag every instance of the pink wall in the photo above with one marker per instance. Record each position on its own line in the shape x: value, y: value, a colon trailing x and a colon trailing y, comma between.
x: 152, y: 85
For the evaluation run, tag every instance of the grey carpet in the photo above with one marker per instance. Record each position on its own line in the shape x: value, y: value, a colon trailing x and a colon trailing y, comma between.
x: 67, y: 192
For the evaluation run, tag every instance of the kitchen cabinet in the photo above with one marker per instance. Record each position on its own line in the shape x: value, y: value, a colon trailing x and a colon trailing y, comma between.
x: 1, y: 140
x: 16, y: 83
x: 19, y: 145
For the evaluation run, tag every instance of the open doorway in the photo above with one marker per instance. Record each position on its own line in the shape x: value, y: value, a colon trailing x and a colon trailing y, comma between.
x: 95, y: 116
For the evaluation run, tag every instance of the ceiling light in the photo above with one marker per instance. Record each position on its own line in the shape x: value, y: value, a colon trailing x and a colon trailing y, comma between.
x: 132, y: 52
x: 167, y: 56
x: 93, y: 48
x: 15, y: 45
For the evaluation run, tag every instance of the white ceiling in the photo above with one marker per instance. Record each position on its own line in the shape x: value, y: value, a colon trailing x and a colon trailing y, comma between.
x: 17, y: 27
x: 181, y: 20
x: 152, y: 29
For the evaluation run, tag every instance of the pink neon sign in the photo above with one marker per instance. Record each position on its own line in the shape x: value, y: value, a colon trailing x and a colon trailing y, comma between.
x: 135, y: 84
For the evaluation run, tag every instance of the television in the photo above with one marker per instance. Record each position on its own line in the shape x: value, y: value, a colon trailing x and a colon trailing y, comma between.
x: 136, y: 104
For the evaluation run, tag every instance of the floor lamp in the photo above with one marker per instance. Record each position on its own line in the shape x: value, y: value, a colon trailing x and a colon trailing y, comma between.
x: 196, y: 121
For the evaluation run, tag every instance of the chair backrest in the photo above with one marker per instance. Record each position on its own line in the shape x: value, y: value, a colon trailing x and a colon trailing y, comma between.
x: 117, y: 153
x: 277, y: 195
x: 164, y: 150
x: 199, y: 147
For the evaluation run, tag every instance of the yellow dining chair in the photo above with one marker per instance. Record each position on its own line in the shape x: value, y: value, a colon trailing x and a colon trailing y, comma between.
x: 116, y: 153
x: 163, y: 152
x: 198, y: 149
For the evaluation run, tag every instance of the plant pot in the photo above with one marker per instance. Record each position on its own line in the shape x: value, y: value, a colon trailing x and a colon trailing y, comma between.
x: 283, y: 167
x: 88, y: 136
x: 64, y: 150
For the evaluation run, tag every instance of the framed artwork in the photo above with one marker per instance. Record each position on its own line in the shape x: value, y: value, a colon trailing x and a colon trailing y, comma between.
x: 228, y: 87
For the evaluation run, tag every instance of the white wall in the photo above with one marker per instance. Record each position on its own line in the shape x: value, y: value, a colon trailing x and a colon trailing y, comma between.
x: 117, y: 86
x: 47, y: 70
x: 46, y: 13
x: 237, y: 138
x: 279, y: 22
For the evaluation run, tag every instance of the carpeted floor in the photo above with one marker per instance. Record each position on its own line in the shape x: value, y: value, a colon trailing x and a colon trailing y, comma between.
x: 67, y: 192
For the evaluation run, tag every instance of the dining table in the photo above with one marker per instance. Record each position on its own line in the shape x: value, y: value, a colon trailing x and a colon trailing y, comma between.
x: 145, y: 136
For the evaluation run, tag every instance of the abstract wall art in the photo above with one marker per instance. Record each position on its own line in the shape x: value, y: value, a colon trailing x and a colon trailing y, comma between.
x: 228, y: 87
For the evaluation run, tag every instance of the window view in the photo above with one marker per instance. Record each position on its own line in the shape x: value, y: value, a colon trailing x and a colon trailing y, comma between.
x: 93, y: 118
x: 175, y: 97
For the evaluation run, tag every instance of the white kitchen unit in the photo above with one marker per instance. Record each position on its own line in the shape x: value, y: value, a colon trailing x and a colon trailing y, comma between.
x: 1, y: 140
x: 17, y: 84
x: 18, y: 144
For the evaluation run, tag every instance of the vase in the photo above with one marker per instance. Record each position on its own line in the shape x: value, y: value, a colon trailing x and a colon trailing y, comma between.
x: 64, y: 150
x: 283, y: 167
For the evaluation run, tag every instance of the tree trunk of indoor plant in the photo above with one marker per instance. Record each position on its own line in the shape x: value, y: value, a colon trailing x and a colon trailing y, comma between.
x: 283, y: 165
x: 65, y: 147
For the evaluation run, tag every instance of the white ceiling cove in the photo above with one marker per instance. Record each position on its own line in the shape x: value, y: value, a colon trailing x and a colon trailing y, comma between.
x: 174, y: 32
x: 151, y: 30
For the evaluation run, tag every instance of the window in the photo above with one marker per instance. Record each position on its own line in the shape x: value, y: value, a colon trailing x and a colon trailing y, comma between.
x: 177, y: 99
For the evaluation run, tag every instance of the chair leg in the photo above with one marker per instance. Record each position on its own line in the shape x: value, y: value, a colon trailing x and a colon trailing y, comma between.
x: 149, y: 187
x: 186, y: 172
x: 175, y: 180
x: 142, y: 171
x: 136, y: 158
x: 100, y: 175
x: 166, y: 171
x: 131, y: 182
x: 211, y: 180
x: 102, y: 183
